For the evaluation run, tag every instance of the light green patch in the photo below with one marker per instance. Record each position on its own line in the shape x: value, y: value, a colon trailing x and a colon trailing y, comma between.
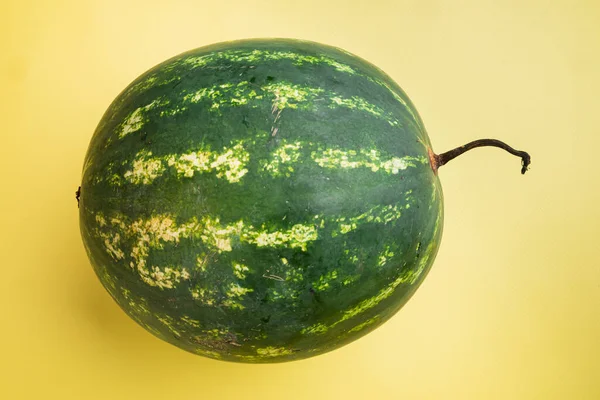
x: 282, y: 159
x: 145, y: 169
x: 218, y: 236
x: 318, y: 328
x: 363, y: 325
x: 207, y: 353
x: 275, y: 294
x: 352, y: 255
x: 294, y: 274
x: 169, y: 322
x: 100, y: 219
x: 379, y: 214
x: 341, y: 67
x: 298, y: 236
x: 225, y: 95
x: 162, y: 228
x: 345, y: 228
x: 324, y: 281
x: 271, y: 351
x: 112, y: 242
x: 136, y: 119
x: 350, y: 279
x: 240, y: 270
x: 138, y: 306
x: 190, y: 322
x: 173, y: 111
x: 288, y: 95
x: 153, y: 233
x: 228, y: 164
x: 187, y: 164
x: 217, y: 333
x: 144, y: 84
x: 115, y: 180
x: 260, y: 56
x: 118, y: 221
x: 247, y: 357
x: 156, y: 79
x: 337, y: 158
x: 234, y: 304
x: 290, y: 293
x: 204, y: 295
x: 356, y: 103
x: 166, y: 278
x: 234, y: 293
x: 385, y: 256
x: 373, y: 301
x: 199, y: 61
x: 396, y: 164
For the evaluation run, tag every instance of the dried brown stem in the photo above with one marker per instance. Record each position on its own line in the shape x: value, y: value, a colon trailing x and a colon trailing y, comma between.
x: 437, y: 160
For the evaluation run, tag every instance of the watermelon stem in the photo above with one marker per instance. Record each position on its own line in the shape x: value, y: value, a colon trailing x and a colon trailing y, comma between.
x: 437, y: 160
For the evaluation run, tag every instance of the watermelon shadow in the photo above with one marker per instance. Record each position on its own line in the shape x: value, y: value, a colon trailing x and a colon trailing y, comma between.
x: 113, y: 330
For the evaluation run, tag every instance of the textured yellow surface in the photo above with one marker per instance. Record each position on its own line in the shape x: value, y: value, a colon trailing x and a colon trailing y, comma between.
x: 511, y: 308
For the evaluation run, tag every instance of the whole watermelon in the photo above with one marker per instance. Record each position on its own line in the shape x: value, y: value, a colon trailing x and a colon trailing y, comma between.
x: 261, y: 200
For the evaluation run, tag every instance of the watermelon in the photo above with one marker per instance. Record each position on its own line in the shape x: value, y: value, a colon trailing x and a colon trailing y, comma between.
x: 261, y: 200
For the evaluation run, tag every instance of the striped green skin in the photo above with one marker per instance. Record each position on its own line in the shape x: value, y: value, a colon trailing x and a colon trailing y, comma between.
x: 261, y: 200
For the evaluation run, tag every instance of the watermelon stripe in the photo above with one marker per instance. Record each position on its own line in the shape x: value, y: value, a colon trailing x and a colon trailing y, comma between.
x: 163, y: 229
x: 135, y: 120
x: 261, y: 56
x: 257, y: 57
x: 228, y: 164
x: 153, y: 233
x: 215, y: 60
x: 282, y: 95
x: 231, y: 162
x: 409, y: 276
x: 365, y: 324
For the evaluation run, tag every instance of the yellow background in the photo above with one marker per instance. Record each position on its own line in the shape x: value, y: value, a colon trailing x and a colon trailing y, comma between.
x: 511, y: 308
